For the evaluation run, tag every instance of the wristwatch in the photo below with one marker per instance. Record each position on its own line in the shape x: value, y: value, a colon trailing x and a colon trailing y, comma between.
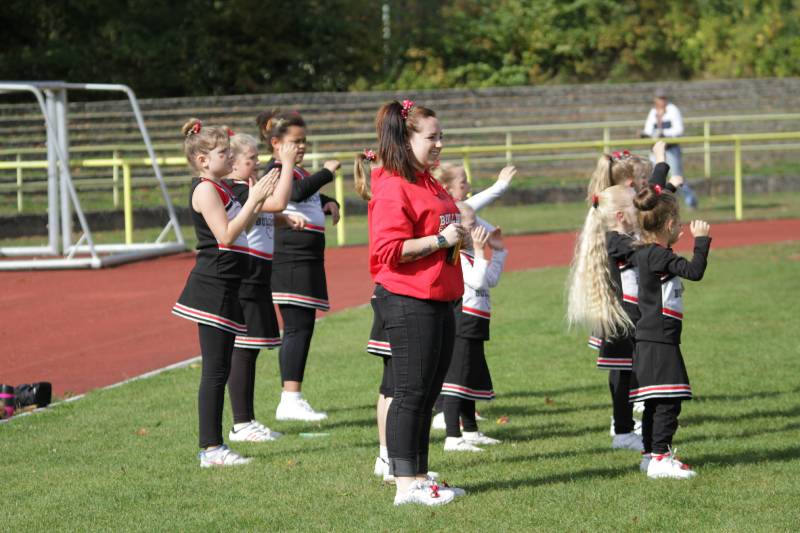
x: 441, y: 242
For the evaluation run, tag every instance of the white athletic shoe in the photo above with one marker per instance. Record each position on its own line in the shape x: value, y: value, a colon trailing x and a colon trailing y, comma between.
x: 637, y: 427
x: 253, y: 432
x: 666, y: 465
x: 478, y: 416
x: 645, y: 462
x: 627, y: 441
x: 298, y: 409
x: 424, y: 494
x: 438, y: 422
x: 221, y: 456
x: 458, y: 444
x: 389, y: 478
x: 638, y: 407
x: 381, y: 467
x: 476, y: 437
x: 442, y: 484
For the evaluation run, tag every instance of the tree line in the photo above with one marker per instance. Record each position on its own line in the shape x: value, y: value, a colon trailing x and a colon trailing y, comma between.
x: 165, y: 48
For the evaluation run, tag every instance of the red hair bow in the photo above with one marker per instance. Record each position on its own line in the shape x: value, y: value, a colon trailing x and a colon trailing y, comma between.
x: 407, y: 105
x: 196, y: 128
x: 230, y: 132
x: 370, y: 155
x: 595, y: 201
x: 657, y: 188
x: 626, y: 153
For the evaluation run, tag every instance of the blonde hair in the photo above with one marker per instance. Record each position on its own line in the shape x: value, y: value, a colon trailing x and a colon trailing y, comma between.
x: 362, y: 167
x: 447, y: 174
x: 592, y: 302
x: 240, y: 142
x: 612, y: 169
x: 199, y: 139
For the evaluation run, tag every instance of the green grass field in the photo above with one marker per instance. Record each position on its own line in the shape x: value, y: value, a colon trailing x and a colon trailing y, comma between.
x: 125, y: 458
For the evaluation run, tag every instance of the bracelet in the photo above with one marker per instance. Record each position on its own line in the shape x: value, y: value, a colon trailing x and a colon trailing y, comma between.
x: 441, y: 242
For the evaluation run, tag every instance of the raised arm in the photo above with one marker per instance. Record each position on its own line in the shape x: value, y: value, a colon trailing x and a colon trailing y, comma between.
x: 486, y: 197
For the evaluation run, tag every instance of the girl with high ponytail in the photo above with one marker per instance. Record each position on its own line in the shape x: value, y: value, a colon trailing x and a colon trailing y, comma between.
x: 659, y: 373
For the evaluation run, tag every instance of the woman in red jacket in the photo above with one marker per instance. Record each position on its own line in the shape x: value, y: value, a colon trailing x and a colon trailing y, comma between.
x: 412, y: 223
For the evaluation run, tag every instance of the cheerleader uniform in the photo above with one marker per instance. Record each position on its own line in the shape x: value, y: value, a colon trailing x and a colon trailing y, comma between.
x: 379, y: 345
x: 210, y: 298
x: 468, y: 378
x: 659, y: 373
x: 298, y: 270
x: 255, y: 298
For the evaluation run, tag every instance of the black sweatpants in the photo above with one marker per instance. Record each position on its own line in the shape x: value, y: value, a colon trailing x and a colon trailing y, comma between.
x: 659, y: 424
x: 242, y: 384
x: 619, y: 383
x: 456, y: 408
x: 216, y: 347
x: 421, y: 333
x: 298, y: 327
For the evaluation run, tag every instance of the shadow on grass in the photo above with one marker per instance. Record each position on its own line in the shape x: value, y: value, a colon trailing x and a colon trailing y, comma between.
x: 552, y: 392
x: 539, y: 409
x: 738, y: 397
x: 752, y: 415
x: 738, y: 435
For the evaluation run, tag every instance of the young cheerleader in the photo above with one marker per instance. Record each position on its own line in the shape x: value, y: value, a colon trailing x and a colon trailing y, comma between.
x: 468, y: 377
x: 210, y: 297
x: 412, y: 220
x: 659, y: 373
x: 255, y: 295
x: 298, y: 272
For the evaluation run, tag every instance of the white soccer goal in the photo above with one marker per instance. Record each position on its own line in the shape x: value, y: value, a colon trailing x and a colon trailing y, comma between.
x: 62, y: 199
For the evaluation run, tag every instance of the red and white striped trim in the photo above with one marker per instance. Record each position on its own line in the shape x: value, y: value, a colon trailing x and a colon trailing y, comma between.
x: 257, y: 342
x: 234, y: 248
x: 301, y: 300
x: 678, y: 390
x: 451, y: 389
x: 672, y: 313
x: 259, y: 254
x: 595, y: 343
x: 202, y: 317
x: 475, y: 312
x: 615, y: 362
x: 314, y: 228
x: 379, y: 347
x: 630, y: 299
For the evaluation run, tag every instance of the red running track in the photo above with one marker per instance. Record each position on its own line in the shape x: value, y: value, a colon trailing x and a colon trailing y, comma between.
x: 85, y: 329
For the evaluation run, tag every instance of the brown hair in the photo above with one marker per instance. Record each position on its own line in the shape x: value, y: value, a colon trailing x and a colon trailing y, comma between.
x: 656, y: 207
x: 394, y: 133
x: 276, y: 123
x: 361, y: 169
x: 199, y: 139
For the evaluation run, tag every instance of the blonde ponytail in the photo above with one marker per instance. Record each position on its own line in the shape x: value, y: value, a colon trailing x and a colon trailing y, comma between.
x: 361, y: 168
x: 592, y: 303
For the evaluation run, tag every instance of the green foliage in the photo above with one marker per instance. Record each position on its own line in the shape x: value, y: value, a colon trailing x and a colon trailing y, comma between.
x: 244, y: 46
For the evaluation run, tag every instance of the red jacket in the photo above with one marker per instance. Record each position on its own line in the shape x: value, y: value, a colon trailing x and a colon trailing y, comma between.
x: 399, y: 211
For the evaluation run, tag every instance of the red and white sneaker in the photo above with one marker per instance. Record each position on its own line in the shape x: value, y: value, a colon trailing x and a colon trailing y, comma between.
x: 424, y: 493
x: 253, y: 432
x: 221, y: 456
x: 666, y: 465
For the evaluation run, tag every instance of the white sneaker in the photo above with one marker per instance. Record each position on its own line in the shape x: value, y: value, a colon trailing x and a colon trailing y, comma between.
x: 389, y: 478
x: 638, y: 407
x: 425, y: 494
x: 637, y: 427
x: 298, y: 410
x: 645, y: 462
x: 458, y: 444
x: 221, y: 456
x: 476, y: 437
x: 666, y: 465
x: 478, y: 416
x: 443, y: 484
x: 381, y: 467
x: 253, y: 432
x: 438, y: 422
x: 627, y: 441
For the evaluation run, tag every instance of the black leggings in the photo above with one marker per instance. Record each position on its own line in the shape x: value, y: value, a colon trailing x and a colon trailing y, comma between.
x: 456, y: 408
x: 298, y: 327
x: 659, y: 424
x: 216, y: 347
x: 619, y: 384
x: 421, y: 333
x: 242, y: 384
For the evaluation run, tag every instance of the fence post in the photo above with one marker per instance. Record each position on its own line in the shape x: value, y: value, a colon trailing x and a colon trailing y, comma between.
x: 467, y: 167
x: 509, y: 151
x: 737, y: 177
x: 341, y: 234
x: 707, y: 149
x: 606, y: 139
x: 127, y: 201
x: 315, y: 162
x: 19, y: 183
x: 115, y: 179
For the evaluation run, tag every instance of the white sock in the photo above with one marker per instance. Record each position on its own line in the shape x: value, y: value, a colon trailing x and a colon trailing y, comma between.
x: 384, y: 454
x: 240, y: 426
x: 291, y: 396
